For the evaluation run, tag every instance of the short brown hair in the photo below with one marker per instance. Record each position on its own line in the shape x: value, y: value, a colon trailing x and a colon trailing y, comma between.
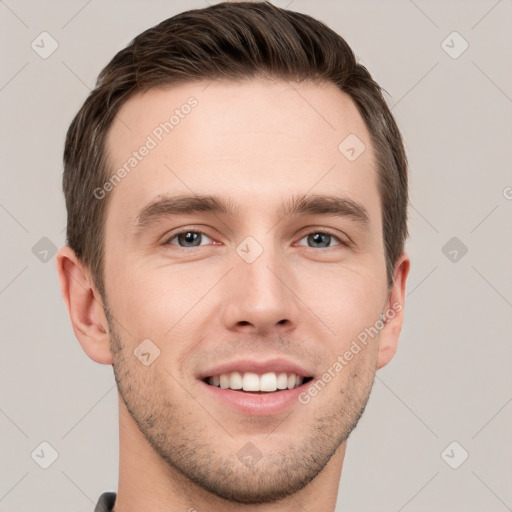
x: 225, y: 41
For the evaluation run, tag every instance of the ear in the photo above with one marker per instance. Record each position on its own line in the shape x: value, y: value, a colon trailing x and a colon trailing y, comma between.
x: 394, y: 313
x: 84, y: 305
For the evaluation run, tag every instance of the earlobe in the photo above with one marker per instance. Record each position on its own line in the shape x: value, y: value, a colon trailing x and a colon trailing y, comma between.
x: 394, y: 313
x: 84, y: 306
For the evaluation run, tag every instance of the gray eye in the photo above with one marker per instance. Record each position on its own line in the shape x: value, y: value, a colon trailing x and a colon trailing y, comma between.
x: 320, y: 240
x: 189, y: 239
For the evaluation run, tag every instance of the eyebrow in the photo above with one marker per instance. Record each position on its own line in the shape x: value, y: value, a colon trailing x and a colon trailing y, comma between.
x: 312, y: 204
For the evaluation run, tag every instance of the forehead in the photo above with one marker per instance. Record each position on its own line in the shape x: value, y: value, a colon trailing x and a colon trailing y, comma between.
x: 255, y: 141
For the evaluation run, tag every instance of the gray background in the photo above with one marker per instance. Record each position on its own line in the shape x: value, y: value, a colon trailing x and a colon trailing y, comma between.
x: 451, y: 379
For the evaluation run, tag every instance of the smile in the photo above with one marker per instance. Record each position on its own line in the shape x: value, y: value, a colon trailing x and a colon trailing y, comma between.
x: 268, y: 382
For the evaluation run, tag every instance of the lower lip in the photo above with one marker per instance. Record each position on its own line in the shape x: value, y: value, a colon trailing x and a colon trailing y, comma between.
x: 264, y: 404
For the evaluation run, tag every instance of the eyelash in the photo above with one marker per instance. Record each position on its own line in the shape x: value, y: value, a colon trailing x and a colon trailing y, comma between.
x: 198, y: 230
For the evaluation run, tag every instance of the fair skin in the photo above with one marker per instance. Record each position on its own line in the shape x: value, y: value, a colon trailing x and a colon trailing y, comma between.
x: 302, y: 301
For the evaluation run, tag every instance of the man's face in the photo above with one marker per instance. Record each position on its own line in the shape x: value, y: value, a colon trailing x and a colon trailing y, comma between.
x: 261, y: 291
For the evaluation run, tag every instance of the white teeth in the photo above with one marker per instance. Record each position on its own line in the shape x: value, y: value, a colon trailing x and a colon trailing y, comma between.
x: 268, y: 382
x: 224, y: 381
x: 282, y: 381
x: 235, y: 381
x: 250, y: 381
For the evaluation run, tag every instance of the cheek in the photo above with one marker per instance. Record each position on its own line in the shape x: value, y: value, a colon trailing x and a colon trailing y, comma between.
x: 347, y: 299
x: 159, y: 302
x: 131, y: 296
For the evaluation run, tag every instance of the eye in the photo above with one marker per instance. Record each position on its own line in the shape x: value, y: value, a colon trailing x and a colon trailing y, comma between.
x: 320, y: 239
x: 189, y: 238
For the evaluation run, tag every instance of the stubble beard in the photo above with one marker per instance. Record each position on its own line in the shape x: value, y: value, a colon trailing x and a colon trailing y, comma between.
x: 186, y: 443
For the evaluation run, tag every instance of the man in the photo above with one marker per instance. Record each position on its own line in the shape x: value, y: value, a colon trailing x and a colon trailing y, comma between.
x: 237, y: 192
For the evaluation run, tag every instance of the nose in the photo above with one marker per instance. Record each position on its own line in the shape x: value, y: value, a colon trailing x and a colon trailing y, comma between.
x: 260, y: 296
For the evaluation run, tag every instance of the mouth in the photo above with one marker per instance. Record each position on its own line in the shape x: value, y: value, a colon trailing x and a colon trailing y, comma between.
x: 257, y: 383
x: 253, y: 387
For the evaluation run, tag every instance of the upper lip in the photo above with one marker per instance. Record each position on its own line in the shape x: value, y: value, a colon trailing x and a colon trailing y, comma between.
x: 260, y: 367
